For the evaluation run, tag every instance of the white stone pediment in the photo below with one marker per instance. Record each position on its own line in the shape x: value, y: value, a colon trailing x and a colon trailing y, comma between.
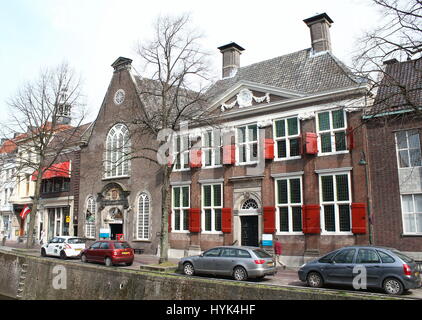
x: 248, y: 94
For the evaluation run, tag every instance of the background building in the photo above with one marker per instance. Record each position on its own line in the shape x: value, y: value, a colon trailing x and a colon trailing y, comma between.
x: 394, y: 157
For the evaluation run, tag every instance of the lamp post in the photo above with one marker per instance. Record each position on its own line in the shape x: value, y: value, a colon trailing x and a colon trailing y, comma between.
x: 362, y: 162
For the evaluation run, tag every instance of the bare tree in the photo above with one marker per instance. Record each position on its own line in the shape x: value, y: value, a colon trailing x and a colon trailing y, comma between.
x: 172, y: 94
x: 399, y: 37
x: 39, y: 110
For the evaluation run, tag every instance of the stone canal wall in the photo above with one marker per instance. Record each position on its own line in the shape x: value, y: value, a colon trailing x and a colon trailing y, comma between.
x: 29, y: 277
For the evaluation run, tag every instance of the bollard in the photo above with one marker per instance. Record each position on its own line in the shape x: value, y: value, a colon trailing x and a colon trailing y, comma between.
x: 3, y: 241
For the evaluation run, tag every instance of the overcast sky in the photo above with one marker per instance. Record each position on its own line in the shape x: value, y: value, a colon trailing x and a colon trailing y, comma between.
x: 91, y: 34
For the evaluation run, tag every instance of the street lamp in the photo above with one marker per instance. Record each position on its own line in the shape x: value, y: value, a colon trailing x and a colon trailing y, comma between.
x: 362, y: 162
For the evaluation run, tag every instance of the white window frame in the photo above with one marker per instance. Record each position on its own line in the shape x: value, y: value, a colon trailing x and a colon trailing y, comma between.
x: 332, y: 132
x: 335, y: 203
x: 287, y: 138
x: 213, y: 148
x: 90, y: 227
x: 247, y: 144
x: 406, y: 149
x: 145, y: 198
x: 183, y: 152
x: 414, y: 213
x: 112, y: 155
x: 289, y: 205
x: 182, y: 209
x: 212, y: 208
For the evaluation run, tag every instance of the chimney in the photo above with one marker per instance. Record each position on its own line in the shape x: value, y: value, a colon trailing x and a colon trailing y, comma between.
x: 319, y: 27
x: 391, y: 61
x: 231, y: 58
x: 122, y: 64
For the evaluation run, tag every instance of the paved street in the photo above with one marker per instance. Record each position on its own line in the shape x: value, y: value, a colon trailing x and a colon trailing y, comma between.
x: 286, y: 277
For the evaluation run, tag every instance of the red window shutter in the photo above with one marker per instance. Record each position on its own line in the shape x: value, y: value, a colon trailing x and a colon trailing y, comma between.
x: 229, y: 154
x: 311, y: 141
x: 169, y: 220
x: 350, y: 138
x: 269, y: 149
x: 195, y: 220
x: 269, y: 219
x: 311, y: 219
x: 226, y: 220
x: 359, y: 218
x: 195, y: 158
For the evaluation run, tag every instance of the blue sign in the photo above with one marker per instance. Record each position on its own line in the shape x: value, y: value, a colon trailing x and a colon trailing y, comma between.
x: 267, y: 240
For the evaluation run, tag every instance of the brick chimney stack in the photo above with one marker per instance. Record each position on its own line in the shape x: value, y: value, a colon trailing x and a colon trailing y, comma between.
x: 319, y: 27
x: 231, y: 59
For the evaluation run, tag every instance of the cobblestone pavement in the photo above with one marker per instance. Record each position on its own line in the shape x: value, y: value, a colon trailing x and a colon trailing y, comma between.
x: 287, y: 277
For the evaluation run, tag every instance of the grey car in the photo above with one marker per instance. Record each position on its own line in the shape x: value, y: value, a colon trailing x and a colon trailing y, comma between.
x: 239, y: 262
x: 385, y: 268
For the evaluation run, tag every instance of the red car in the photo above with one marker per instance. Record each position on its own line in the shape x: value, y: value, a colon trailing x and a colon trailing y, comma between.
x: 110, y: 252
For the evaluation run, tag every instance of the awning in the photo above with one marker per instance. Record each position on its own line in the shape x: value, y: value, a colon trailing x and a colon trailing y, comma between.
x: 57, y: 170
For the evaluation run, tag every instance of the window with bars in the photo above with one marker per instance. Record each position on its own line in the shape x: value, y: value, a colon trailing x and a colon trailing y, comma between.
x: 247, y: 143
x: 412, y: 213
x: 180, y: 208
x: 143, y: 217
x: 211, y: 148
x: 117, y: 152
x: 408, y: 149
x: 182, y: 146
x: 289, y: 204
x: 335, y: 202
x: 91, y: 211
x: 287, y: 138
x: 212, y: 205
x: 332, y: 131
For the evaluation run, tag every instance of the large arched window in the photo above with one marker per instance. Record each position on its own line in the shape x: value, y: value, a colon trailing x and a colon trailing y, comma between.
x: 91, y: 211
x: 143, y: 217
x: 117, y: 152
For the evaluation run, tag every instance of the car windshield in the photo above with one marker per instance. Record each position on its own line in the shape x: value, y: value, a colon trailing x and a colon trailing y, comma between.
x: 75, y: 240
x: 402, y: 256
x: 121, y: 245
x: 262, y: 253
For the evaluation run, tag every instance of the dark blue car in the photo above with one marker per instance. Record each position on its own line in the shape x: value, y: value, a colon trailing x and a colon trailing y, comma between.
x: 379, y: 267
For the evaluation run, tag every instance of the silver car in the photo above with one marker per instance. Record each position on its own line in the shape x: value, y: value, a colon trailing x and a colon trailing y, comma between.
x: 239, y: 262
x: 385, y: 268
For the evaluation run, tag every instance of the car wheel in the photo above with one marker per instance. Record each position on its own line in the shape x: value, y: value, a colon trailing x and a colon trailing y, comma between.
x: 108, y: 262
x: 188, y: 269
x: 83, y: 258
x: 43, y: 253
x: 129, y: 263
x: 314, y: 280
x: 393, y: 286
x: 239, y: 274
x: 63, y: 255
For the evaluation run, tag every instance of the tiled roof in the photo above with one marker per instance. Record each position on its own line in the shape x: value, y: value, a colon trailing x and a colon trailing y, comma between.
x: 400, y: 88
x: 297, y: 71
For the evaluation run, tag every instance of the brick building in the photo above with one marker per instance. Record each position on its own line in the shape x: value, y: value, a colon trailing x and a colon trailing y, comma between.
x: 284, y: 162
x: 393, y: 127
x: 119, y: 193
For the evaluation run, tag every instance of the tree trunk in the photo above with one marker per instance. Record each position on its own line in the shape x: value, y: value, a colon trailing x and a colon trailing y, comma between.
x: 34, y: 210
x: 165, y: 208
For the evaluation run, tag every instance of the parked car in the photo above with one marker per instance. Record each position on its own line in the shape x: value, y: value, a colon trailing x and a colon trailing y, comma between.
x: 386, y: 268
x: 63, y: 247
x: 109, y: 252
x: 239, y: 262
